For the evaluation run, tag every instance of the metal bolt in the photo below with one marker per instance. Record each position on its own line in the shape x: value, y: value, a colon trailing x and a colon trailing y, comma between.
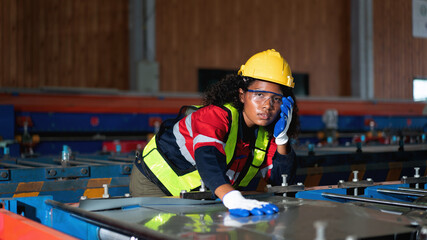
x: 369, y: 179
x: 52, y: 172
x: 299, y: 184
x: 417, y: 175
x: 320, y: 229
x: 417, y: 172
x: 403, y: 180
x: 126, y: 169
x: 4, y: 174
x: 341, y: 181
x: 127, y: 194
x: 284, y: 176
x: 83, y: 198
x: 202, y: 186
x: 105, y: 195
x: 83, y: 171
x: 355, y: 172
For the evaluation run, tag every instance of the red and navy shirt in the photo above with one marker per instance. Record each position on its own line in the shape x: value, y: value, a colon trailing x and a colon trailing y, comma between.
x: 199, y: 140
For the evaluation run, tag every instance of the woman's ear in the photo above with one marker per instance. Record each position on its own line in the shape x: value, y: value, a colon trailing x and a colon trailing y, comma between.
x: 241, y: 95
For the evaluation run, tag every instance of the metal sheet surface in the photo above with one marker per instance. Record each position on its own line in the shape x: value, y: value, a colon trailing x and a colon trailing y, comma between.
x: 297, y: 219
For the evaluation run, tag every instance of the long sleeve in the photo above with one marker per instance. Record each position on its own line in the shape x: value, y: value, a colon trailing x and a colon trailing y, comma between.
x: 212, y: 166
x: 210, y: 127
x: 283, y: 164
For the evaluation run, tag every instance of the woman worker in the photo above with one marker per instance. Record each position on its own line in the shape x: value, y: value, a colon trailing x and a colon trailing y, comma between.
x: 243, y: 127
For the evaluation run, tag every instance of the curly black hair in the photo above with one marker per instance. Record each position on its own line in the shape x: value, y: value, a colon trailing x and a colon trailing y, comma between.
x: 227, y: 91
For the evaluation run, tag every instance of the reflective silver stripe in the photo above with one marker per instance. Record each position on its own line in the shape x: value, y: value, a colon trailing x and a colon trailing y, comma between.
x: 188, y: 125
x: 180, y: 141
x: 205, y: 139
x: 232, y: 175
x: 265, y: 170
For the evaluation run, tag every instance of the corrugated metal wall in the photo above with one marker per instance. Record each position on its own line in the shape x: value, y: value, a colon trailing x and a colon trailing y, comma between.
x: 313, y: 36
x: 68, y: 43
x: 78, y: 43
x: 398, y: 56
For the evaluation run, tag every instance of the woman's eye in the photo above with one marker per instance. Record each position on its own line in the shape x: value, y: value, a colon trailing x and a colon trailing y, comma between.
x: 277, y: 99
x: 259, y: 95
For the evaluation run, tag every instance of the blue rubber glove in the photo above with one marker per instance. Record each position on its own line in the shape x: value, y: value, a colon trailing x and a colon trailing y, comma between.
x: 282, y: 125
x: 242, y: 207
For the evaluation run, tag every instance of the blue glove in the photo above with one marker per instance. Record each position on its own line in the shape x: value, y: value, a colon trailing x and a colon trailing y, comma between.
x: 282, y: 125
x: 242, y: 207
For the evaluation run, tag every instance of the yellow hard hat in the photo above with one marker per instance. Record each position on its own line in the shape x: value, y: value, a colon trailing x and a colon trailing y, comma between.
x: 269, y: 66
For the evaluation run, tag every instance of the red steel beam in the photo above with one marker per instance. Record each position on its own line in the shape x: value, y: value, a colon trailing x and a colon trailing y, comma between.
x: 13, y: 226
x: 77, y: 103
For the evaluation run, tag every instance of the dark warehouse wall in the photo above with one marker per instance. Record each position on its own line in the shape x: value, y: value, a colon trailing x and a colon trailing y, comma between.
x: 313, y: 36
x: 71, y: 43
x: 398, y: 56
x: 78, y: 43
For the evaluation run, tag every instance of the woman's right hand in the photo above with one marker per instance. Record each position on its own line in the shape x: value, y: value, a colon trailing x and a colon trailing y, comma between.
x: 282, y: 125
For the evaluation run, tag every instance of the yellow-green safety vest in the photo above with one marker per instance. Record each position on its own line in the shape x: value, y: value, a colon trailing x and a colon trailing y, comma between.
x: 175, y: 183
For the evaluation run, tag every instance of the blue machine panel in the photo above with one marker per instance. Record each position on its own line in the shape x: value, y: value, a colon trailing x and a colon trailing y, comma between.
x: 85, y: 122
x: 7, y: 122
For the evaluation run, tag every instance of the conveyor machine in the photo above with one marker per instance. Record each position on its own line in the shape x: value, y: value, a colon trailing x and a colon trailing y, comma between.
x: 356, y: 209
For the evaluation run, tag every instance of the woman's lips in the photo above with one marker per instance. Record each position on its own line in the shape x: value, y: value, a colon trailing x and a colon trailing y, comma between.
x: 264, y: 116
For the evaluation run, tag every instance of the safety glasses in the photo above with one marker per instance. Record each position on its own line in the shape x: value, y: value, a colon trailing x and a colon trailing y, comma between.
x: 260, y: 97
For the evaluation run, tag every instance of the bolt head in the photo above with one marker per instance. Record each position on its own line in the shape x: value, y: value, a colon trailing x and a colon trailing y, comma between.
x: 4, y: 174
x: 52, y: 172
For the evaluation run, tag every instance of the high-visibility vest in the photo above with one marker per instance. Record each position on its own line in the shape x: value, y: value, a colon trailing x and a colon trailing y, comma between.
x: 155, y: 164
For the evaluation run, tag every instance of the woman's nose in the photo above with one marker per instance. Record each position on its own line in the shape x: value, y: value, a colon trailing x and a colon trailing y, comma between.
x: 268, y: 102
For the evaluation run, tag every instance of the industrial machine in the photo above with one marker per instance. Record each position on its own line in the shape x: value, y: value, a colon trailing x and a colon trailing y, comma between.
x: 356, y: 209
x: 65, y: 162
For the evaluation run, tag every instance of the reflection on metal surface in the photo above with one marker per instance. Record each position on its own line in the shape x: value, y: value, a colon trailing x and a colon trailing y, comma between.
x: 112, y: 203
x: 401, y: 192
x: 296, y: 220
x: 373, y: 200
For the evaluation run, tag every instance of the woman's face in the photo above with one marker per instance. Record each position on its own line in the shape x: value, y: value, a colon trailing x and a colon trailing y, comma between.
x: 261, y: 103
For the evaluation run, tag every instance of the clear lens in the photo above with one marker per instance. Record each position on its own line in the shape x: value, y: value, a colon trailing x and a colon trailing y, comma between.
x: 261, y: 97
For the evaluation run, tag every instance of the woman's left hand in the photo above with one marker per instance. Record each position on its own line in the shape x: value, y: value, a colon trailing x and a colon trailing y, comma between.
x: 282, y: 125
x: 242, y: 207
